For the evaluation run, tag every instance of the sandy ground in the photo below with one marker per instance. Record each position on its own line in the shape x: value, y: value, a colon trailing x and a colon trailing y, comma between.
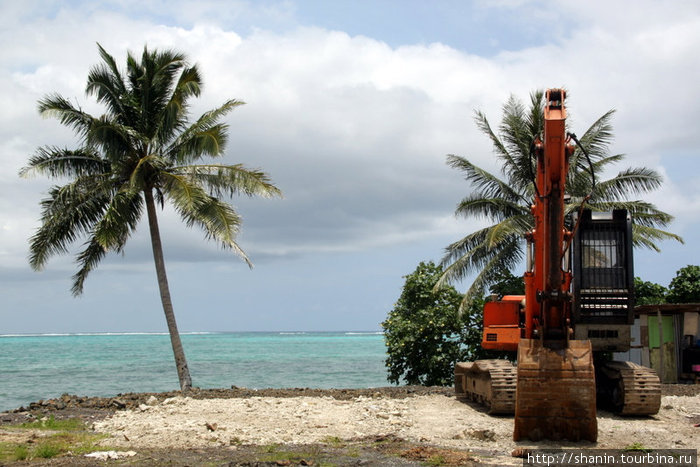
x: 437, y: 420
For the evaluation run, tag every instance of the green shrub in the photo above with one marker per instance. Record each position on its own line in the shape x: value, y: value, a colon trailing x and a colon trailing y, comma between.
x: 425, y: 334
x: 649, y: 293
x: 685, y: 287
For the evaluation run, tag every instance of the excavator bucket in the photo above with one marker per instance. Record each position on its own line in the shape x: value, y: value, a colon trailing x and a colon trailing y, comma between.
x: 555, y: 394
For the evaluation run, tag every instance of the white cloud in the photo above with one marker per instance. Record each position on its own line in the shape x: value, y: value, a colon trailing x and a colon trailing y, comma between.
x: 353, y: 130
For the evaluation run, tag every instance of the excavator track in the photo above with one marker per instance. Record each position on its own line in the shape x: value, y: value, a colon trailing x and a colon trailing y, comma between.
x: 622, y: 387
x: 556, y: 393
x: 628, y: 388
x: 490, y: 383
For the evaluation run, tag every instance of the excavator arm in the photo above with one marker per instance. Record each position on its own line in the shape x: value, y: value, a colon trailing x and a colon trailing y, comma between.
x: 555, y: 393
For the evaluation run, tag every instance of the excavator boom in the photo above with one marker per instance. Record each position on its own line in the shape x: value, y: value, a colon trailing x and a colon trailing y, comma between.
x: 555, y: 393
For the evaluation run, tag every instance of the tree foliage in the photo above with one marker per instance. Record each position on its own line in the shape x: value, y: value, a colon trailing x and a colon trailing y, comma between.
x: 422, y: 332
x: 505, y: 201
x: 685, y: 286
x: 507, y: 284
x: 425, y: 333
x: 649, y: 293
x: 142, y: 152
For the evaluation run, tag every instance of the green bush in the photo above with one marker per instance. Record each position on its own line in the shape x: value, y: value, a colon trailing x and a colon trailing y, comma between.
x: 507, y: 284
x: 425, y: 334
x: 649, y: 293
x: 422, y: 331
x: 685, y: 287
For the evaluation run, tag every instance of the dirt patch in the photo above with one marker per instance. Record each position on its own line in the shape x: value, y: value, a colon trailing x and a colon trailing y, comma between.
x: 384, y: 426
x: 430, y: 419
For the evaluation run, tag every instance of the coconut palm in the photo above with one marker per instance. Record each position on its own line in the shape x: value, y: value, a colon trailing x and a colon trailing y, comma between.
x: 505, y: 202
x: 142, y: 152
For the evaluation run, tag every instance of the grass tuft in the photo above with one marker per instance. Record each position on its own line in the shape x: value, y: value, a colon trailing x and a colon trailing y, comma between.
x: 436, y: 460
x: 274, y: 453
x: 47, y: 450
x: 270, y: 448
x: 21, y: 453
x: 58, y: 438
x: 50, y: 423
x: 334, y: 441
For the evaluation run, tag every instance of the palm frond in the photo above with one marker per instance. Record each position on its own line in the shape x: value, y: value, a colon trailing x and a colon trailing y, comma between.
x: 596, y: 142
x: 495, y: 209
x: 645, y: 236
x: 600, y: 164
x: 119, y: 220
x: 487, y: 184
x: 111, y: 65
x: 69, y: 212
x: 475, y: 251
x: 174, y: 114
x: 88, y: 259
x: 483, y: 124
x: 456, y: 251
x: 515, y: 132
x: 196, y: 207
x: 116, y: 140
x: 229, y: 180
x: 508, y: 255
x: 57, y: 106
x: 105, y: 82
x: 579, y: 180
x: 535, y: 118
x: 509, y: 228
x: 598, y: 137
x: 142, y: 176
x: 204, y: 137
x: 57, y: 162
x: 630, y: 181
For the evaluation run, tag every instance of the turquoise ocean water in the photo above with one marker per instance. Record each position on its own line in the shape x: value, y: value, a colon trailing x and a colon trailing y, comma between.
x: 34, y: 367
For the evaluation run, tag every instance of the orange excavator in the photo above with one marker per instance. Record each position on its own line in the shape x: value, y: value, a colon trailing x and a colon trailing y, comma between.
x: 577, y: 310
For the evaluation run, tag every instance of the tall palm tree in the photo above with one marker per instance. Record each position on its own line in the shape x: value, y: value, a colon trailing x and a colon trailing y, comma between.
x: 141, y: 152
x: 505, y: 202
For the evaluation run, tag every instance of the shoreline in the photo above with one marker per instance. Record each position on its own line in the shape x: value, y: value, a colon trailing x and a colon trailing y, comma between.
x: 132, y: 400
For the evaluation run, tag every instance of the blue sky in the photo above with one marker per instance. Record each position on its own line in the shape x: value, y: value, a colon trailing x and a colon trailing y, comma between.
x: 351, y: 108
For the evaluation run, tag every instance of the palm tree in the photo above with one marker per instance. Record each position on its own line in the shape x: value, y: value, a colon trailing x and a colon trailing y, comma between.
x: 505, y: 202
x: 141, y: 152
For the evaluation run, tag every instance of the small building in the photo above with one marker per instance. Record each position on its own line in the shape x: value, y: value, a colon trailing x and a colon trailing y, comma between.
x: 667, y: 338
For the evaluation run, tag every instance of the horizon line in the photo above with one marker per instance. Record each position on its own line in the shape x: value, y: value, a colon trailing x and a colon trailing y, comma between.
x: 183, y: 333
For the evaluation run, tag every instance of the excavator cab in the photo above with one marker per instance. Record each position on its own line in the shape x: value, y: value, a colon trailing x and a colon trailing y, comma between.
x: 603, y: 311
x: 603, y: 280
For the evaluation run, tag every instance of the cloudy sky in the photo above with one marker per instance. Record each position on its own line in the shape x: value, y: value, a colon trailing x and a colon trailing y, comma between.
x: 351, y: 108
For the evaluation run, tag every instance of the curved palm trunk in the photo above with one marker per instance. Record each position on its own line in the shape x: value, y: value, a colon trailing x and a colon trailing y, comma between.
x: 183, y: 371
